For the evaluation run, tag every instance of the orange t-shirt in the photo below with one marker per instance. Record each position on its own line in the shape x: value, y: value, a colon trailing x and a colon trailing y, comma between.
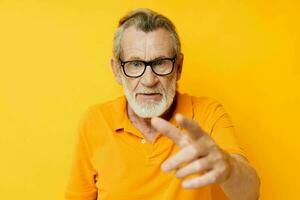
x: 113, y: 161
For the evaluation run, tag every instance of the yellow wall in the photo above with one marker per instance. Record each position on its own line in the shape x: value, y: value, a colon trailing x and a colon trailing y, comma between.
x: 54, y: 61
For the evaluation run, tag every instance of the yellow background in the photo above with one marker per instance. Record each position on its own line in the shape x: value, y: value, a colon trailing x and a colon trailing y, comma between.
x: 54, y: 60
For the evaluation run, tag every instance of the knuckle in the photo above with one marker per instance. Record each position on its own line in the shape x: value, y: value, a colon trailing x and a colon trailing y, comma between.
x: 214, y: 148
x: 222, y: 169
x: 194, y: 150
x: 200, y: 165
x: 218, y: 156
x: 213, y: 178
x: 219, y: 174
x: 183, y: 142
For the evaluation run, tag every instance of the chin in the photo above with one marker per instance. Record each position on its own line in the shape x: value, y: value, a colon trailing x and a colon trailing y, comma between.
x: 148, y: 113
x: 151, y: 109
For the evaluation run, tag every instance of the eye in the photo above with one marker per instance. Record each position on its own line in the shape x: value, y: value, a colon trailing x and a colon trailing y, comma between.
x: 136, y: 63
x: 158, y: 62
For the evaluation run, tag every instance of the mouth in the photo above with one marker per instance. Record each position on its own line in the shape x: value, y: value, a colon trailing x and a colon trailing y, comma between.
x: 149, y: 96
x: 152, y: 93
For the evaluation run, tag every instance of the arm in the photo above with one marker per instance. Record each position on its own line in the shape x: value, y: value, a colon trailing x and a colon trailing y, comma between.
x: 243, y: 182
x: 202, y: 154
x: 81, y: 184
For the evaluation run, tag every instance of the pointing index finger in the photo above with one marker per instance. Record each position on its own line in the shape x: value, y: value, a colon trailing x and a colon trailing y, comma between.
x: 193, y: 129
x: 169, y: 130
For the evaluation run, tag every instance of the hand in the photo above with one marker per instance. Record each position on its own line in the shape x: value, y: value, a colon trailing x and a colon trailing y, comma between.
x: 198, y: 151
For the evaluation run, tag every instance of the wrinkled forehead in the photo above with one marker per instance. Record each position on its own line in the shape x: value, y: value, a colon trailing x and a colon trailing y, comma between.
x: 136, y: 44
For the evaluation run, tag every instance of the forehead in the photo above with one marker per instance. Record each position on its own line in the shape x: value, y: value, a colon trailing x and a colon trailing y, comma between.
x: 138, y: 44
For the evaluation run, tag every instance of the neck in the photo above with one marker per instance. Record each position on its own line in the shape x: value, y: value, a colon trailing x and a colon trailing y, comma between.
x: 146, y: 122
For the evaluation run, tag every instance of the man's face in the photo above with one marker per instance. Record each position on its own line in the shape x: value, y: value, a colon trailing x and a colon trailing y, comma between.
x: 149, y: 95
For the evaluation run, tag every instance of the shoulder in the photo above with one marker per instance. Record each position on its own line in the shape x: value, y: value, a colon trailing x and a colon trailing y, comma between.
x: 97, y: 120
x: 205, y: 103
x: 103, y: 109
x: 206, y: 110
x: 100, y: 116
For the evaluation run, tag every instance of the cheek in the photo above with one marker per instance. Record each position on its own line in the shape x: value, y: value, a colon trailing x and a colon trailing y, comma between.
x: 132, y: 84
x: 166, y: 82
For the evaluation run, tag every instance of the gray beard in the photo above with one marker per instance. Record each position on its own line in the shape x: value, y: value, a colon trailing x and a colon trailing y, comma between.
x: 149, y: 110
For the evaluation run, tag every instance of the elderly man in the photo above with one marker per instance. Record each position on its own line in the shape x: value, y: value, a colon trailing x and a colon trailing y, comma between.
x: 154, y: 142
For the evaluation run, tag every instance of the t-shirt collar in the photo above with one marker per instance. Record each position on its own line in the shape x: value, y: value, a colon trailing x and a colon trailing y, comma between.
x: 120, y: 118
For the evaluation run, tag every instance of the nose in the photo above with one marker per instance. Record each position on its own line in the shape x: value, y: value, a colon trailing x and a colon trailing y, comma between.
x: 149, y: 79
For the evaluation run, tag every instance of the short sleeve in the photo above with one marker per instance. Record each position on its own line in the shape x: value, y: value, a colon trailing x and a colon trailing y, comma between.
x: 81, y: 184
x: 224, y: 133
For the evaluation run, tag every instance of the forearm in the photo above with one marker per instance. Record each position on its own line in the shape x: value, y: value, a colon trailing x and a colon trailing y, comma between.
x: 243, y: 182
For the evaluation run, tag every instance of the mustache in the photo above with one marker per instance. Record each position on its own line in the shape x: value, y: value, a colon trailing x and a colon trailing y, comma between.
x: 152, y: 90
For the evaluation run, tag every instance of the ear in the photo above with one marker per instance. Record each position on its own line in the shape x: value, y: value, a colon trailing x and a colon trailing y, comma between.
x: 179, y: 65
x: 116, y: 70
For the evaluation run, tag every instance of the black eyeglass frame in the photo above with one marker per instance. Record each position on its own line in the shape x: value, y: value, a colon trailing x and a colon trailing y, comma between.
x: 148, y: 63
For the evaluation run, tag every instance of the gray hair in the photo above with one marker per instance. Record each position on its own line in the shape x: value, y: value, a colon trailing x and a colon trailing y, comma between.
x: 146, y: 20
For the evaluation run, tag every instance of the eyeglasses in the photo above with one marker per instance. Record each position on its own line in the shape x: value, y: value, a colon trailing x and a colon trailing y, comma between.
x: 136, y: 68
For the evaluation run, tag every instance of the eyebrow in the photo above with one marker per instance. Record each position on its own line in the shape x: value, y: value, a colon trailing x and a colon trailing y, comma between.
x: 138, y: 58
